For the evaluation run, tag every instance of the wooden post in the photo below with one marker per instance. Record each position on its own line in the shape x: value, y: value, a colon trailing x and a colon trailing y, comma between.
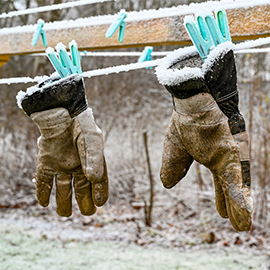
x: 148, y: 209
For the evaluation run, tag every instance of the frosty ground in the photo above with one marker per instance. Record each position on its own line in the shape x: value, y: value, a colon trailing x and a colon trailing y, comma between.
x: 36, y: 238
x: 186, y: 233
x: 29, y: 249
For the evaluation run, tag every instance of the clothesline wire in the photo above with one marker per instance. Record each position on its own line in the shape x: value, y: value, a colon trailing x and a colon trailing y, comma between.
x: 259, y: 50
x: 49, y: 8
x: 136, y: 54
x: 241, y: 47
x: 111, y: 54
x: 89, y: 74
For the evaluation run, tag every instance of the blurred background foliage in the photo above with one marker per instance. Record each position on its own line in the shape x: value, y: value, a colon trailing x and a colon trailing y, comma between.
x: 126, y: 105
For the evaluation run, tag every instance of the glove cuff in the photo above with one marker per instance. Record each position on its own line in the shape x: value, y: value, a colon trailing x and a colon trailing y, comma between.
x: 180, y: 72
x: 220, y: 72
x: 200, y: 103
x: 52, y: 123
x: 68, y: 93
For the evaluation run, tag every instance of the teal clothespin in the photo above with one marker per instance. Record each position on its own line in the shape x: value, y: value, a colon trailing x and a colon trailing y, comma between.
x: 39, y: 31
x: 219, y: 29
x: 65, y: 59
x: 119, y: 23
x: 199, y: 34
x: 62, y: 63
x: 62, y: 71
x: 146, y: 55
x: 209, y: 29
x: 75, y: 56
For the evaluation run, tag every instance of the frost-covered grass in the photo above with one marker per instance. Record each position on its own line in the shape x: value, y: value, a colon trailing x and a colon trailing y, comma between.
x: 30, y: 249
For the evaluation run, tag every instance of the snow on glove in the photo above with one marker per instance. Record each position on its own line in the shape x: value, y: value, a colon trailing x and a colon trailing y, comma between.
x: 70, y: 147
x: 200, y: 128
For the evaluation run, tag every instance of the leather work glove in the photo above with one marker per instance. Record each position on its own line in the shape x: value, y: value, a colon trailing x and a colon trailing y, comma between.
x: 70, y: 146
x: 206, y: 126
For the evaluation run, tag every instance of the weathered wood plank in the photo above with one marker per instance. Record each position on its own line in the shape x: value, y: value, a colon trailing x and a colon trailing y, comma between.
x: 3, y: 59
x: 244, y: 23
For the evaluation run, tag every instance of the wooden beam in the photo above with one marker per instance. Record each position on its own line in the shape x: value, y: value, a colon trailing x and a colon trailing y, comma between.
x: 3, y: 59
x: 245, y: 23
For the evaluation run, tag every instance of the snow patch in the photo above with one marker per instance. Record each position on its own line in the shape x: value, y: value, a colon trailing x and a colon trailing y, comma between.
x: 217, y: 53
x: 60, y: 46
x: 168, y: 76
x: 189, y: 19
x: 53, y: 80
x: 49, y: 50
x: 203, y: 13
x: 252, y: 43
x: 20, y: 96
x: 73, y: 43
x: 38, y: 140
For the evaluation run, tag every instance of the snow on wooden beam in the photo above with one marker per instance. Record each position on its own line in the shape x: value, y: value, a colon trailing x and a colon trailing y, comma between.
x: 244, y: 22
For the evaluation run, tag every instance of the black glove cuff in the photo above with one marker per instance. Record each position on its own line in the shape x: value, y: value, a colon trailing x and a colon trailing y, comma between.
x: 220, y: 77
x: 188, y: 88
x: 68, y: 93
x: 180, y: 72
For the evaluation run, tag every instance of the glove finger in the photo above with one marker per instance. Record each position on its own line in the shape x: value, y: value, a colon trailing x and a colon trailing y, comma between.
x: 44, y: 184
x: 240, y: 217
x: 175, y: 158
x: 232, y: 217
x: 220, y: 199
x: 175, y: 164
x: 90, y: 145
x: 83, y: 194
x: 238, y: 200
x: 64, y: 194
x: 100, y: 189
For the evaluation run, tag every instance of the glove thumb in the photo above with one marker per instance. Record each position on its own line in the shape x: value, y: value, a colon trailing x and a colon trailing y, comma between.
x: 90, y: 147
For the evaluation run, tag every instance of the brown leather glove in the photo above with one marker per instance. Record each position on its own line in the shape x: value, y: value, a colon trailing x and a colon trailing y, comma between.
x: 200, y: 130
x: 70, y: 146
